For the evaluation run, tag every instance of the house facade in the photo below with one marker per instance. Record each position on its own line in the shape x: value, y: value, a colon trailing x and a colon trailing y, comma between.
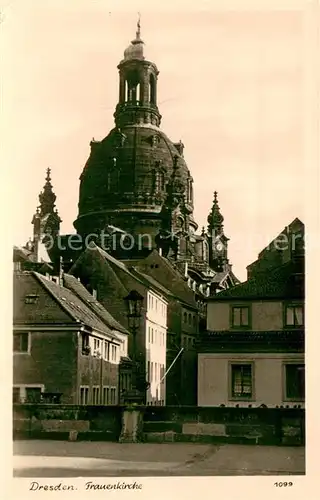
x: 62, y: 350
x: 156, y: 348
x: 253, y: 351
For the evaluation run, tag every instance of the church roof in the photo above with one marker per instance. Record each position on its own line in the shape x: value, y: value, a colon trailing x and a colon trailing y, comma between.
x: 149, y: 150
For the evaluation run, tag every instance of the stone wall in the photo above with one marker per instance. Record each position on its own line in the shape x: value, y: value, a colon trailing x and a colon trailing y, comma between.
x: 58, y: 421
x: 225, y: 425
x: 263, y: 426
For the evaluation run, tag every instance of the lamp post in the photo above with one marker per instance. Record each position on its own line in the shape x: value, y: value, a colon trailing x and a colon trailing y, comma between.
x: 134, y: 303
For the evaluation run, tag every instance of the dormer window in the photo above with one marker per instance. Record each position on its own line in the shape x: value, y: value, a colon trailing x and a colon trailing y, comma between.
x: 31, y: 298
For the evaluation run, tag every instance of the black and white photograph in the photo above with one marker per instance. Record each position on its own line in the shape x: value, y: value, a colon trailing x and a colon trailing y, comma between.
x: 158, y: 155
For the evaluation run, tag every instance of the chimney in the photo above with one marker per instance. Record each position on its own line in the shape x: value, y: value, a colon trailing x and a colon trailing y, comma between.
x: 61, y: 273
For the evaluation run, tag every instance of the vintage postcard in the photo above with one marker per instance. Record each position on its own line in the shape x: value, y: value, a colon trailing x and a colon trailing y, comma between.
x: 162, y: 158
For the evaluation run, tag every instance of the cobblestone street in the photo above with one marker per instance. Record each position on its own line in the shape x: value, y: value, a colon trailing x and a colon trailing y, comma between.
x: 93, y: 459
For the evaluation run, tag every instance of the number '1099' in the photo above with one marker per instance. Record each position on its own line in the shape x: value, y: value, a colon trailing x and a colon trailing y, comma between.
x: 283, y: 484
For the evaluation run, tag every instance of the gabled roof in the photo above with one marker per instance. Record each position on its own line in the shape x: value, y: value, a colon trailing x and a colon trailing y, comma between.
x: 77, y: 288
x: 133, y: 272
x: 161, y: 270
x: 92, y: 255
x: 151, y: 281
x: 283, y: 282
x: 74, y: 306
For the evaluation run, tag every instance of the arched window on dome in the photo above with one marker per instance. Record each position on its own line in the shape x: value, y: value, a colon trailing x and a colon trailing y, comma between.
x: 138, y: 93
x: 162, y: 181
x: 191, y: 191
x: 152, y: 89
x: 126, y: 91
x: 205, y: 250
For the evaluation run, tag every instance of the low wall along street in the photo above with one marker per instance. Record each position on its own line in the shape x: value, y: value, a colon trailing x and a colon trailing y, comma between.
x: 276, y: 426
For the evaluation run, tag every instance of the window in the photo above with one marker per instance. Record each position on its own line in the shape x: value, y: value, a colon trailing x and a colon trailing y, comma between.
x: 241, y: 381
x: 189, y: 319
x: 162, y: 374
x: 106, y: 350
x: 96, y: 395
x: 295, y: 381
x: 16, y: 394
x: 113, y: 395
x: 113, y: 353
x: 185, y: 317
x: 84, y: 395
x: 21, y: 342
x: 105, y: 395
x: 33, y: 394
x: 240, y: 316
x: 149, y: 374
x: 31, y: 299
x: 96, y: 344
x: 294, y: 315
x: 85, y: 344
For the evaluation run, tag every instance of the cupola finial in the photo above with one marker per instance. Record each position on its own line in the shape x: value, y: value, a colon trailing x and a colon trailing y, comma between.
x: 138, y: 32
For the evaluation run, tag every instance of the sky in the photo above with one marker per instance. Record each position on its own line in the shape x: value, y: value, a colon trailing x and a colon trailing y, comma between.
x: 231, y: 87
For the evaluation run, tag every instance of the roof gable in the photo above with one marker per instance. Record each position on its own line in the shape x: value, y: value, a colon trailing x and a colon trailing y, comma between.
x: 93, y: 268
x: 76, y: 287
x: 45, y: 309
x: 161, y: 269
x: 74, y: 306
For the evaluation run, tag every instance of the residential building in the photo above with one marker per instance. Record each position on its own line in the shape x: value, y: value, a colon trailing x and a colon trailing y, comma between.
x: 253, y: 351
x: 113, y: 280
x: 64, y: 348
x: 156, y: 347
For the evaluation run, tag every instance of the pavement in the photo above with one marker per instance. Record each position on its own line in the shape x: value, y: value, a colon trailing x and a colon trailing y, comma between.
x: 40, y: 458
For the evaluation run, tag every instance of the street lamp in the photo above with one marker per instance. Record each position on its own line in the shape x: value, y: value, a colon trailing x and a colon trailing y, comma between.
x: 134, y: 303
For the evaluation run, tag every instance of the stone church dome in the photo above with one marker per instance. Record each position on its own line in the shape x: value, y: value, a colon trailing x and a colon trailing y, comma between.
x: 124, y: 182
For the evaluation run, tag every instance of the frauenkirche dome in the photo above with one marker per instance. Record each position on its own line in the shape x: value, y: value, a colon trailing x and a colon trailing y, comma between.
x: 125, y: 180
